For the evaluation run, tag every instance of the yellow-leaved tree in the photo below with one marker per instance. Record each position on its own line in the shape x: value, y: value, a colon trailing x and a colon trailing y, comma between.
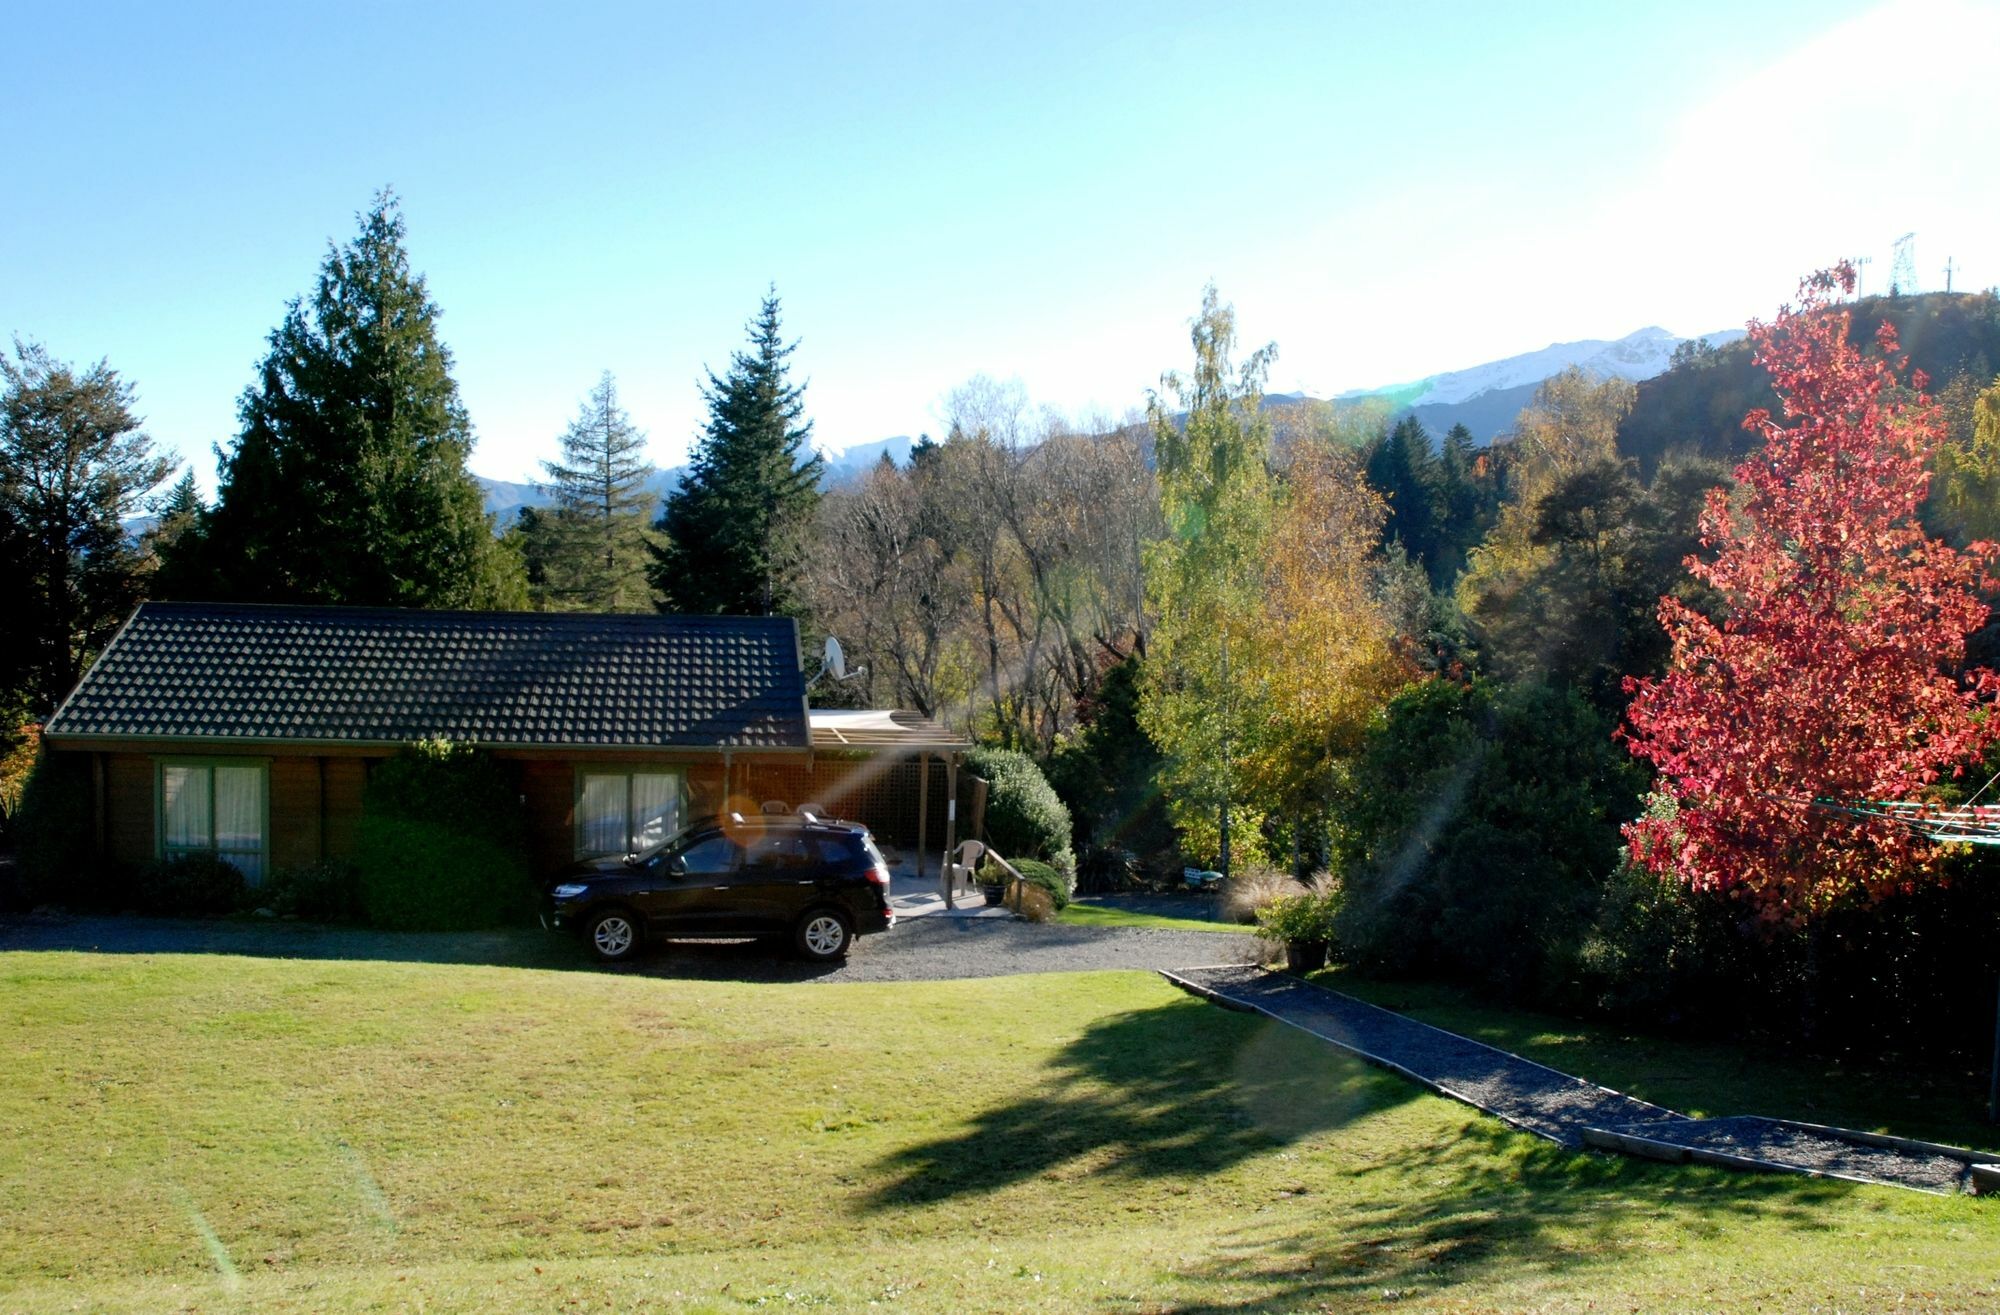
x: 1571, y: 425
x: 1322, y: 656
x: 1965, y: 495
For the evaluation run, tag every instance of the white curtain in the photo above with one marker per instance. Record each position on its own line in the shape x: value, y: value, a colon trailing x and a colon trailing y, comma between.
x: 239, y: 819
x: 656, y: 807
x: 184, y: 815
x: 600, y: 815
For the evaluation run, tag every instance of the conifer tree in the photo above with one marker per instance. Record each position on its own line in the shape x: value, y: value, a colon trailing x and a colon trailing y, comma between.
x: 347, y: 482
x: 597, y: 557
x: 1464, y: 504
x: 74, y: 464
x: 1403, y: 471
x: 174, y: 514
x: 736, y: 527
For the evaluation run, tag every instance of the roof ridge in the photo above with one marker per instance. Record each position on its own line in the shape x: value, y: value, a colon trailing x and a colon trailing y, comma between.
x: 190, y: 607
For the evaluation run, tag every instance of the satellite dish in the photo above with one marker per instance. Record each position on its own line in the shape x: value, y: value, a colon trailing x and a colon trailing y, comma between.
x: 836, y: 661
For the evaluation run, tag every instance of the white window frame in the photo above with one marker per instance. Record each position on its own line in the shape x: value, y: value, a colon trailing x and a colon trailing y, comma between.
x: 675, y: 770
x: 162, y: 850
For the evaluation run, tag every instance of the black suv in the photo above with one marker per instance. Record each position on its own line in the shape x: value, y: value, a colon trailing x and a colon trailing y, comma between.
x: 820, y: 883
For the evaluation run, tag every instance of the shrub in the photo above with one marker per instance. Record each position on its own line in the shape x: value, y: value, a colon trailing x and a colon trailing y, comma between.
x: 442, y: 843
x: 1250, y: 887
x: 1481, y: 826
x: 1031, y: 901
x: 1103, y: 869
x: 1044, y: 876
x: 328, y: 891
x: 1024, y: 818
x: 1307, y: 916
x: 189, y: 885
x: 52, y: 833
x: 1890, y: 977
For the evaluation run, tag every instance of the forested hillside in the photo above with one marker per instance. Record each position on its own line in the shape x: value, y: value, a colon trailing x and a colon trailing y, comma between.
x: 1697, y: 407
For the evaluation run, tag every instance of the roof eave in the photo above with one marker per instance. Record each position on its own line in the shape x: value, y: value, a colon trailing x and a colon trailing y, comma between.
x: 65, y: 740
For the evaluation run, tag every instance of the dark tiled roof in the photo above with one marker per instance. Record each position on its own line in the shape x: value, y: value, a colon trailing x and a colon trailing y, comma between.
x: 222, y: 672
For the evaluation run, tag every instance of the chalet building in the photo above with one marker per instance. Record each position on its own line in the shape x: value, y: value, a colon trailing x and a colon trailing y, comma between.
x: 249, y: 731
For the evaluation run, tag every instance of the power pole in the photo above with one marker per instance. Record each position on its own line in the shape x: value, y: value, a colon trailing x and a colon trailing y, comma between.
x: 1949, y: 266
x: 1861, y: 264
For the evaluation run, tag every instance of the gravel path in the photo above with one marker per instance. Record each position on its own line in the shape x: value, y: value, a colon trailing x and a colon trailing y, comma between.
x: 1751, y: 1143
x: 1567, y: 1109
x: 920, y: 949
x: 1526, y: 1094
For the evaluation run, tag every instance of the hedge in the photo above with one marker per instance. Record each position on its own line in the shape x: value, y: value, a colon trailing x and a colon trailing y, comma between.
x: 1025, y: 819
x: 442, y: 842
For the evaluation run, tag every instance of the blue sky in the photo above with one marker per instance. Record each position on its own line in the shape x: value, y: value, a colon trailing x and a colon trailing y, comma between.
x: 1035, y: 192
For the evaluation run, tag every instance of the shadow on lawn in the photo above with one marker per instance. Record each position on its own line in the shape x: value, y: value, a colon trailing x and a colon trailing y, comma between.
x: 1492, y: 1203
x: 507, y: 947
x: 1146, y: 1094
x: 1149, y: 1094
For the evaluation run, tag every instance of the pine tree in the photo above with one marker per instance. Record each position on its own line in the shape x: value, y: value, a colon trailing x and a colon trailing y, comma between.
x: 1464, y: 504
x: 74, y: 464
x: 597, y: 559
x: 347, y: 482
x: 174, y: 514
x: 736, y: 526
x: 1403, y: 470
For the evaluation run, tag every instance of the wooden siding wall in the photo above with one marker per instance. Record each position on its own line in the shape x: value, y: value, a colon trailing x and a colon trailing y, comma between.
x: 315, y: 802
x: 128, y: 807
x: 345, y: 779
x: 305, y: 825
x: 295, y: 812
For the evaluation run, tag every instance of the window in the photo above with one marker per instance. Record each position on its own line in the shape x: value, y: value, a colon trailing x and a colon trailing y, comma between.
x: 713, y: 857
x: 214, y: 808
x: 625, y: 812
x: 782, y: 851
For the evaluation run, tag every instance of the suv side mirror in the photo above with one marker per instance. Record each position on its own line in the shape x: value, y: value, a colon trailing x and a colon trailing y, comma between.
x: 676, y: 866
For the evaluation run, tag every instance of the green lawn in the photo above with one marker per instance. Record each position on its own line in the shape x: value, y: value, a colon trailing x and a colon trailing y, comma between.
x: 217, y: 1134
x: 1104, y: 915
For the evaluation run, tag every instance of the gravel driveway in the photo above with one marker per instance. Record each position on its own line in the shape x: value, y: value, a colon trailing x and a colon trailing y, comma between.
x: 921, y: 949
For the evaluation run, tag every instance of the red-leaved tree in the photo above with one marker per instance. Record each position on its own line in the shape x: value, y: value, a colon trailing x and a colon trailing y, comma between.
x: 1836, y: 673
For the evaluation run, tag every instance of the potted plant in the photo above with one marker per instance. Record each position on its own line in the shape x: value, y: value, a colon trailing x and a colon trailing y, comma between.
x: 992, y: 883
x: 1303, y: 924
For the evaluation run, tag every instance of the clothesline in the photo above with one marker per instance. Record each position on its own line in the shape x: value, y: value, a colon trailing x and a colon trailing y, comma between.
x: 1961, y: 824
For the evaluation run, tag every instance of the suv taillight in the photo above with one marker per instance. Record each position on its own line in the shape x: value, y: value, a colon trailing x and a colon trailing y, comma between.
x: 880, y: 876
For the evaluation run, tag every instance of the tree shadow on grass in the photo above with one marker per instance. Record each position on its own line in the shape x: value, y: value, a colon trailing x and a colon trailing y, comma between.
x: 1489, y: 1203
x: 500, y: 947
x: 1178, y: 1090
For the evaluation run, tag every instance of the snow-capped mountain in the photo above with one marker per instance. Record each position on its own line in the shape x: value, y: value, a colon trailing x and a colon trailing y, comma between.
x: 1485, y: 398
x: 505, y: 498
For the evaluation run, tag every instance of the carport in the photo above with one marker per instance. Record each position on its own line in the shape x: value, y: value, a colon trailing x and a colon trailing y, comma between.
x: 881, y: 736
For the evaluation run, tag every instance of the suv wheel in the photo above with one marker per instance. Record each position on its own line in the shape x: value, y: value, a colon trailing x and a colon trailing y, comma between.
x: 613, y: 936
x: 823, y: 936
